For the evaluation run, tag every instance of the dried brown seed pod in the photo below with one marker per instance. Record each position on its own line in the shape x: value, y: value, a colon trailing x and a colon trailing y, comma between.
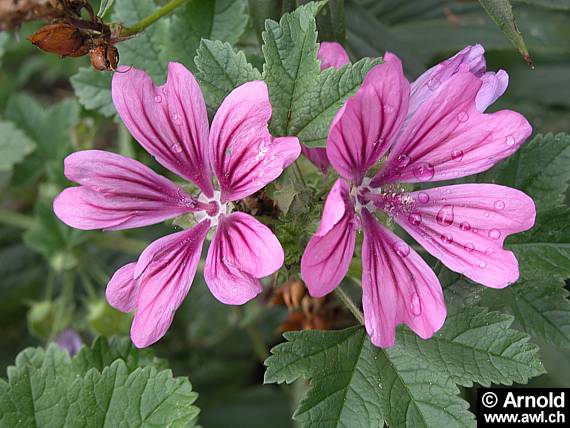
x: 104, y: 57
x: 62, y: 39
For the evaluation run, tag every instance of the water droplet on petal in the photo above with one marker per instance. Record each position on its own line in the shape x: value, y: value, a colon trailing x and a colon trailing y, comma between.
x: 483, y: 265
x: 423, y: 197
x: 489, y: 251
x: 175, y: 117
x: 234, y: 289
x: 499, y: 205
x: 510, y: 140
x: 424, y: 171
x: 469, y: 247
x: 462, y: 116
x: 433, y: 84
x: 464, y: 226
x: 457, y: 155
x: 388, y: 109
x: 176, y: 148
x: 445, y: 216
x: 415, y: 219
x: 157, y: 99
x: 401, y: 248
x: 446, y: 238
x: 403, y: 161
x: 379, y: 140
x: 416, y: 305
x: 494, y: 234
x: 486, y: 214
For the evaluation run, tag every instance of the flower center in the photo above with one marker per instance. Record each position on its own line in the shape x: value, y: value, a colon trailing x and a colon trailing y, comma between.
x: 214, y: 210
x: 390, y: 198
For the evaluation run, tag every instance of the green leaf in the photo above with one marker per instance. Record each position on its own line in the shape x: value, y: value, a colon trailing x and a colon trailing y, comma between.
x: 223, y: 20
x: 46, y: 388
x: 93, y: 90
x: 501, y: 12
x: 542, y: 310
x: 104, y: 7
x: 304, y: 99
x: 355, y: 384
x: 14, y: 145
x: 145, y: 50
x: 220, y: 70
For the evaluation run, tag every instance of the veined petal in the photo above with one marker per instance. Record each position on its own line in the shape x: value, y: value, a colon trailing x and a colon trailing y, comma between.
x: 169, y: 121
x: 397, y: 287
x: 329, y: 252
x: 332, y: 54
x: 244, y: 155
x: 317, y: 156
x: 242, y: 251
x: 465, y: 226
x: 164, y: 273
x: 122, y: 289
x: 448, y: 138
x: 117, y: 192
x: 366, y: 125
x: 494, y: 85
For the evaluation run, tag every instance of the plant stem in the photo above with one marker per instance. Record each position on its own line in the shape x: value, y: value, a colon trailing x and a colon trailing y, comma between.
x: 349, y: 304
x: 298, y: 174
x: 12, y: 218
x: 151, y: 19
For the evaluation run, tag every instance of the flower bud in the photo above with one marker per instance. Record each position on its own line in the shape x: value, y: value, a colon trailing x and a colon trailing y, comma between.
x: 62, y: 39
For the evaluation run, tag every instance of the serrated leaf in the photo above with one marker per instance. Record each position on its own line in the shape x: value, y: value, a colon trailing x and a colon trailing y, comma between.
x: 223, y: 20
x: 145, y: 50
x: 501, y: 12
x: 220, y: 70
x: 14, y: 145
x: 93, y: 90
x: 355, y: 384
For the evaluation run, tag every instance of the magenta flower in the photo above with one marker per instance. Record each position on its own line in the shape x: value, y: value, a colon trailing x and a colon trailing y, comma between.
x: 331, y: 54
x: 433, y: 130
x: 116, y: 192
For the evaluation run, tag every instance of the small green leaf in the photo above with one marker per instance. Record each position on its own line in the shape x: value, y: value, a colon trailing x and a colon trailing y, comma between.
x: 14, y: 145
x: 93, y: 90
x: 220, y: 70
x: 104, y: 7
x: 501, y: 11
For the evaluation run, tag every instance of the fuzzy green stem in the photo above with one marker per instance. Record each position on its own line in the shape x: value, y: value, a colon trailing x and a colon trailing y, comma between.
x: 151, y: 19
x: 349, y: 304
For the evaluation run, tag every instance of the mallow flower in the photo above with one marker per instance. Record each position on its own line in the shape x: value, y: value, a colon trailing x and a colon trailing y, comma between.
x: 116, y: 192
x: 330, y: 54
x: 432, y: 130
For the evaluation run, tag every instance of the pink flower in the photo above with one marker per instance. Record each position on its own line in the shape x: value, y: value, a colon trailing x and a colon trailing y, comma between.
x: 331, y: 54
x: 445, y: 136
x: 116, y: 192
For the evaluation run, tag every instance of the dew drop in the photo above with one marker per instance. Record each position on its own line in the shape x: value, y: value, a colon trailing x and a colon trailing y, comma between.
x: 462, y: 116
x: 499, y: 204
x: 446, y: 238
x: 175, y: 117
x: 483, y: 265
x: 494, y: 234
x: 510, y: 140
x: 457, y: 155
x: 415, y: 219
x: 464, y: 226
x: 489, y: 251
x: 423, y: 197
x: 234, y: 289
x: 416, y: 305
x: 433, y: 84
x: 176, y: 148
x: 157, y: 99
x: 445, y: 216
x: 388, y: 109
x: 403, y: 161
x: 401, y: 248
x: 486, y: 214
x: 424, y: 171
x: 469, y: 247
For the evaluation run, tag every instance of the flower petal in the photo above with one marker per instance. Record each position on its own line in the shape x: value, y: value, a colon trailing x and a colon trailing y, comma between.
x: 465, y: 226
x: 117, y: 193
x: 169, y: 121
x: 448, y: 138
x: 122, y: 289
x: 329, y: 252
x: 242, y: 251
x: 365, y: 126
x: 164, y: 272
x: 317, y: 156
x: 244, y: 155
x: 494, y: 85
x: 332, y: 54
x: 397, y: 287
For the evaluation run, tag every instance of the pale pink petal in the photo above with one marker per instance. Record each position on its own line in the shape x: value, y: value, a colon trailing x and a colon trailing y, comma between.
x: 465, y: 226
x: 329, y: 252
x: 494, y: 85
x: 164, y: 273
x: 318, y: 156
x: 366, y: 125
x: 169, y: 121
x: 244, y: 155
x: 122, y: 289
x: 332, y: 54
x: 242, y: 251
x: 117, y: 192
x: 448, y: 138
x: 397, y: 287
